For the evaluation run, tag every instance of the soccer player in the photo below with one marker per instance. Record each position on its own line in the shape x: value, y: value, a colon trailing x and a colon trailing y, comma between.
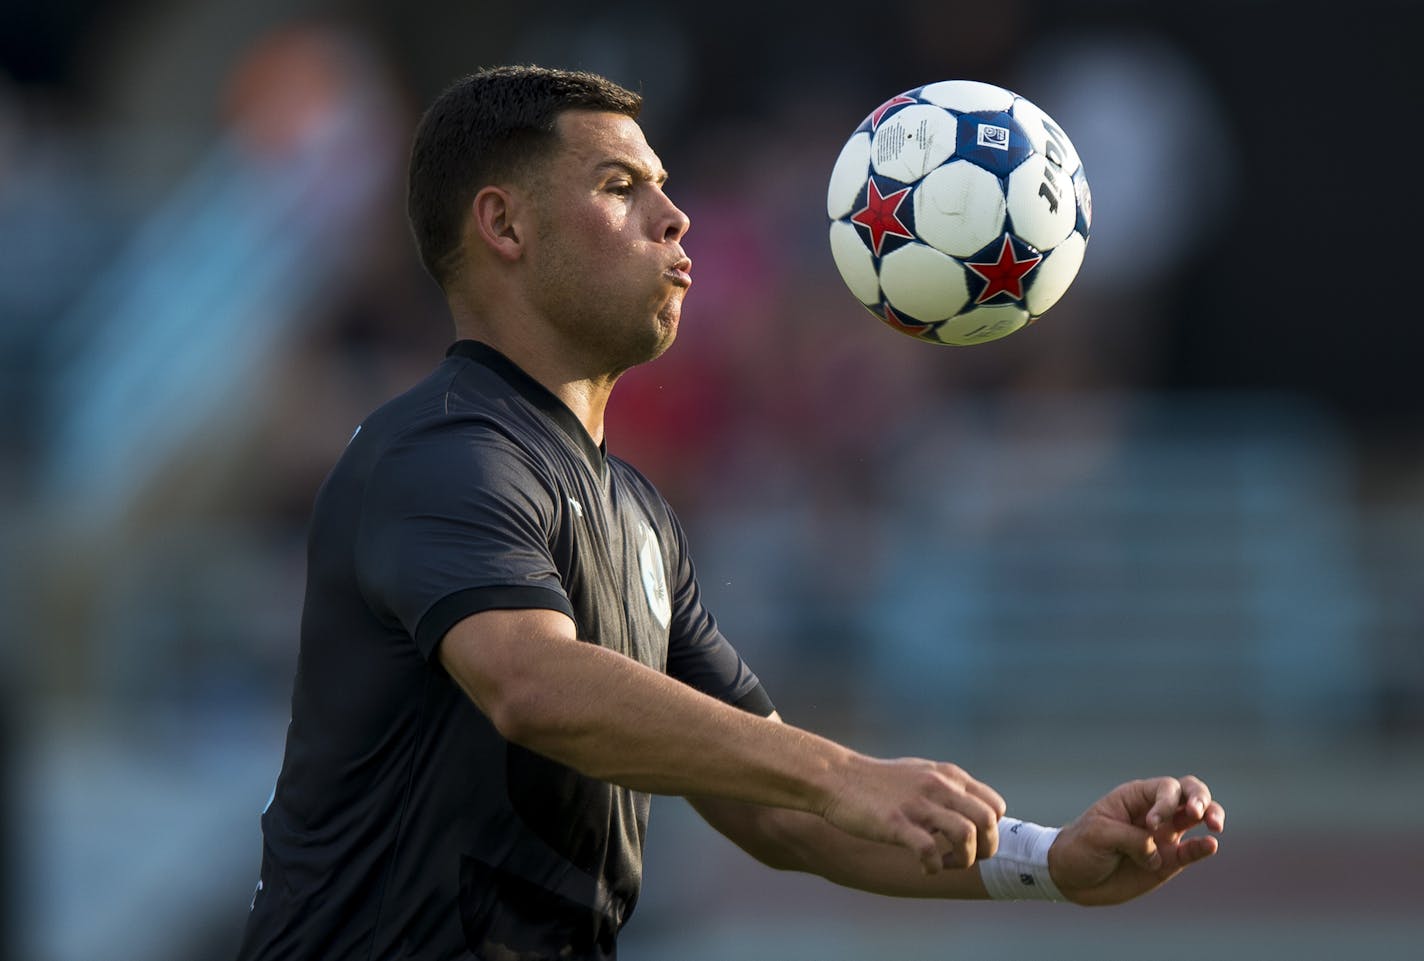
x: 503, y: 647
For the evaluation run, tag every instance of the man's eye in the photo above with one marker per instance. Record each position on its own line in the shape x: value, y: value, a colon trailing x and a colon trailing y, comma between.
x: 620, y: 187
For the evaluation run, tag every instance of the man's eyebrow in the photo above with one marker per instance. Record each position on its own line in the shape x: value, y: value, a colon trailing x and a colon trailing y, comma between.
x: 635, y: 170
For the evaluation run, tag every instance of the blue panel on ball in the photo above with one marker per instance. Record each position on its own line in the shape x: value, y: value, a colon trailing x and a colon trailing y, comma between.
x: 994, y: 141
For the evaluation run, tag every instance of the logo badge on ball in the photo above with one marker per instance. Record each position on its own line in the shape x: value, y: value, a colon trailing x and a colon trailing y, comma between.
x: 992, y: 136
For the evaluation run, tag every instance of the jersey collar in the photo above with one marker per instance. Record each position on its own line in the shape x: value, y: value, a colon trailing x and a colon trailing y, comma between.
x: 534, y: 392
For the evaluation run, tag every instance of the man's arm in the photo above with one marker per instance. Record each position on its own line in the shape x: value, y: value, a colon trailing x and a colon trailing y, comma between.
x: 614, y: 719
x: 798, y: 841
x: 1106, y: 856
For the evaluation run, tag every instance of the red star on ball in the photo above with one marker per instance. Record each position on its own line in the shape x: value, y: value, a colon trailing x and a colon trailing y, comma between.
x: 1004, y: 276
x: 879, y: 112
x: 903, y: 326
x: 880, y: 216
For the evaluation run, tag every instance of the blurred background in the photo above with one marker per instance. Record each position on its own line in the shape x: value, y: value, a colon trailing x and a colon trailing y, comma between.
x: 1176, y: 526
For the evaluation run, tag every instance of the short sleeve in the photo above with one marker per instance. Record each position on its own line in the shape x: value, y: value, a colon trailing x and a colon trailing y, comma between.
x: 455, y: 521
x: 698, y: 654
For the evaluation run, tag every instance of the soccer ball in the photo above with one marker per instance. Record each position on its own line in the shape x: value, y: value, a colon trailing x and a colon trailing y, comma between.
x: 959, y: 212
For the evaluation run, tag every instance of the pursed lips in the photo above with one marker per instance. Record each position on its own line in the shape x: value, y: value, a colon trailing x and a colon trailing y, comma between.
x: 681, y: 272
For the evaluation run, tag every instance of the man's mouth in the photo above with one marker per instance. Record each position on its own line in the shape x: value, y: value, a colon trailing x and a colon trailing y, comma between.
x: 681, y: 272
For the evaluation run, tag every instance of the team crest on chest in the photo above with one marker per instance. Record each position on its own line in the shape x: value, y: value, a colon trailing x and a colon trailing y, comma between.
x: 650, y: 560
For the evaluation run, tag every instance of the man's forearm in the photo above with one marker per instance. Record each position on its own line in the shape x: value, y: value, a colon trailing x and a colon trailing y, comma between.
x: 797, y: 841
x: 614, y: 719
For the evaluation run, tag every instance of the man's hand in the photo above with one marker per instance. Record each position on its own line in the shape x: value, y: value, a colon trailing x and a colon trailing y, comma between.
x: 936, y: 810
x: 1132, y: 840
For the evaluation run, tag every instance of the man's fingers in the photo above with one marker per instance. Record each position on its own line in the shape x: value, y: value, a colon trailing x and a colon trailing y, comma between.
x: 965, y: 806
x: 960, y: 783
x: 989, y: 796
x: 941, y: 842
x: 1142, y: 847
x: 1195, y: 807
x: 1183, y: 803
x: 984, y: 821
x: 1196, y: 849
x: 927, y: 850
x: 1130, y: 841
x: 1185, y: 819
x: 1215, y: 817
x: 1166, y: 796
x: 1196, y: 796
x: 958, y: 839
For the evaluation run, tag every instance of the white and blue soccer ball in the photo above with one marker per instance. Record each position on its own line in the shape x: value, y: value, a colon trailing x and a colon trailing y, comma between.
x: 959, y: 212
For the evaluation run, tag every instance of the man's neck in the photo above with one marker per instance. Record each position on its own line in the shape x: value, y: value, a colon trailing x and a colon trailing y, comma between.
x: 583, y: 392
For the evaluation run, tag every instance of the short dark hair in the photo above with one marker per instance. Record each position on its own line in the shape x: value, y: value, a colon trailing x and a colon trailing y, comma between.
x: 490, y: 125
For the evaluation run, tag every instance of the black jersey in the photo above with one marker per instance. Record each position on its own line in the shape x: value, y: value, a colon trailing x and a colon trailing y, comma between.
x: 403, y: 826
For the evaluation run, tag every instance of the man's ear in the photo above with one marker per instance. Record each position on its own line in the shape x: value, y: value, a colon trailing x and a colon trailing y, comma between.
x: 497, y: 221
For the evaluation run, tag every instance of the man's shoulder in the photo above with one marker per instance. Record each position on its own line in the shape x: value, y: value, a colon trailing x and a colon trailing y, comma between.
x: 444, y: 431
x: 456, y: 401
x: 633, y: 478
x: 641, y: 490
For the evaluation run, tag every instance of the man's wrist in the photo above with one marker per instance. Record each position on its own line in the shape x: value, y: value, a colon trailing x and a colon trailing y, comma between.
x: 1018, y: 871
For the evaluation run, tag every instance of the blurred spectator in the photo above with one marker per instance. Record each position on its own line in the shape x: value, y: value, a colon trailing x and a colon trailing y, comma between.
x: 1163, y: 169
x: 59, y: 219
x: 156, y: 381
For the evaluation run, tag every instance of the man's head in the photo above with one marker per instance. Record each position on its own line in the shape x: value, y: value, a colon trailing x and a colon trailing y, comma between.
x: 556, y: 228
x: 494, y: 125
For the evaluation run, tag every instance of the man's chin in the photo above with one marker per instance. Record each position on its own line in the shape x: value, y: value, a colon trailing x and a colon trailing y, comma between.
x: 659, y: 339
x: 668, y: 323
x: 664, y: 329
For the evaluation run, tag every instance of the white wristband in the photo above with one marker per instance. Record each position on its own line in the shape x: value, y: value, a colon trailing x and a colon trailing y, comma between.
x: 1018, y: 871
